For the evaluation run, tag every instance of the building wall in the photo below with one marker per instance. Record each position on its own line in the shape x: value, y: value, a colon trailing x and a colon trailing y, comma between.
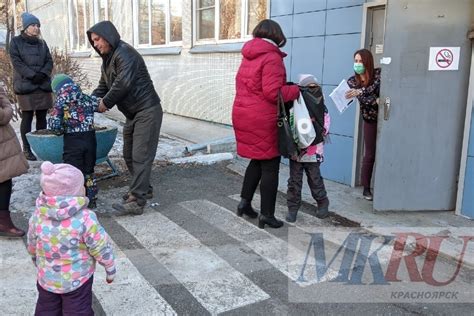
x: 198, y: 85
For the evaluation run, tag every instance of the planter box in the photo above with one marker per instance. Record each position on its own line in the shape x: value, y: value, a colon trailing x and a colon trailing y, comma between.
x: 48, y: 147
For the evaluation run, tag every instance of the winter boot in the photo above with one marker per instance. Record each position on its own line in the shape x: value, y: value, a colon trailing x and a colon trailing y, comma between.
x: 291, y: 216
x: 245, y: 207
x: 28, y: 153
x: 323, y: 208
x: 148, y: 195
x: 7, y: 228
x: 92, y: 204
x: 270, y: 221
x: 129, y: 207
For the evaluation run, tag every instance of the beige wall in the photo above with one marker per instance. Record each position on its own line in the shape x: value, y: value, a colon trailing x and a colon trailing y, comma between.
x: 195, y: 85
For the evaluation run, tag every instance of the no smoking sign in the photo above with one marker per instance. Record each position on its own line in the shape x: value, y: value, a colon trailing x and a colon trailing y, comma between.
x: 444, y: 58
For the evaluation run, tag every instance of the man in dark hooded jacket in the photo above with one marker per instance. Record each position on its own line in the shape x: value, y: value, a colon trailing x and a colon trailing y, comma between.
x: 125, y: 82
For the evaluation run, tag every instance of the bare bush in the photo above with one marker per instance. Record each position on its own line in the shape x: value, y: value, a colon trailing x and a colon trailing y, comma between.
x: 62, y: 61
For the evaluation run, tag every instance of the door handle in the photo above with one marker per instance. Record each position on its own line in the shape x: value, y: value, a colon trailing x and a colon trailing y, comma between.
x: 386, y: 109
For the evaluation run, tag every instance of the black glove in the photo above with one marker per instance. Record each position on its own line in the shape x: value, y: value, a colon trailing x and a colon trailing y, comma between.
x: 39, y: 78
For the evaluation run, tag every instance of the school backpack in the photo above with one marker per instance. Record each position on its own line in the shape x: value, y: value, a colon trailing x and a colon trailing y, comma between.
x: 314, y: 99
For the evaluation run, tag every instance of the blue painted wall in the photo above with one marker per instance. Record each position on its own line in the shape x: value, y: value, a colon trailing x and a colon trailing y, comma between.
x: 322, y: 37
x: 467, y: 208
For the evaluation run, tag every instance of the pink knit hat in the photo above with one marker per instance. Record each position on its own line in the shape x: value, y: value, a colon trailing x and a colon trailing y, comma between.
x: 61, y: 180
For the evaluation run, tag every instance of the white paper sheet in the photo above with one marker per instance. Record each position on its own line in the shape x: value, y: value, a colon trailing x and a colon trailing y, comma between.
x: 338, y: 96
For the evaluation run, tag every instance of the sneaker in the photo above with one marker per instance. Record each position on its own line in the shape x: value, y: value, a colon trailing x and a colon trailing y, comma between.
x: 323, y: 208
x: 129, y: 208
x: 148, y: 195
x: 29, y: 155
x: 367, y: 194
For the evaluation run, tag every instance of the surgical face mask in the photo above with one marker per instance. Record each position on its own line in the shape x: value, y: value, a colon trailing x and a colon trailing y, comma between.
x: 359, y: 68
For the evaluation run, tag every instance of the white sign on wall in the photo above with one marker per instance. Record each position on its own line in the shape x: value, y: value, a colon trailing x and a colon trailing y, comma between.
x: 444, y: 58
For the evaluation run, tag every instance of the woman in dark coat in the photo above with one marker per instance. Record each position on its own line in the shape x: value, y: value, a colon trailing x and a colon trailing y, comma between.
x: 32, y: 65
x: 260, y: 77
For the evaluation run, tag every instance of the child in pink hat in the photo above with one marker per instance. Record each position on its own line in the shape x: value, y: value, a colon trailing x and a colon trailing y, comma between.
x: 65, y: 240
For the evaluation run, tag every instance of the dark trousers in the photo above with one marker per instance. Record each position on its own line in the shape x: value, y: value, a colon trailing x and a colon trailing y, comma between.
x: 5, y: 195
x: 370, y: 136
x: 77, y: 302
x: 140, y: 141
x: 27, y: 120
x: 80, y: 150
x: 295, y: 183
x: 264, y: 172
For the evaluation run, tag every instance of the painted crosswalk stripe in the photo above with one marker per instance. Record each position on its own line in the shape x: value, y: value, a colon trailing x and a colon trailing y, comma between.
x: 286, y: 258
x: 307, y: 223
x: 130, y: 293
x: 18, y: 292
x: 211, y: 280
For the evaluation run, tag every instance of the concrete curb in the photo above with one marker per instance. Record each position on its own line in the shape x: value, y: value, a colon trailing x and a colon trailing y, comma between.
x: 203, y: 159
x: 226, y: 144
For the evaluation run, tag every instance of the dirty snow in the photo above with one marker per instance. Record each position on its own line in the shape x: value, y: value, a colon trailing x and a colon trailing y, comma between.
x: 26, y: 187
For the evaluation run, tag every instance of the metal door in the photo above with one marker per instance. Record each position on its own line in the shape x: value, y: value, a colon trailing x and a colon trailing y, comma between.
x: 373, y: 41
x: 421, y: 112
x: 375, y: 32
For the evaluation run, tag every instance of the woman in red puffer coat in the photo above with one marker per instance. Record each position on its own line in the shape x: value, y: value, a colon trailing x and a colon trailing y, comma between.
x: 254, y: 116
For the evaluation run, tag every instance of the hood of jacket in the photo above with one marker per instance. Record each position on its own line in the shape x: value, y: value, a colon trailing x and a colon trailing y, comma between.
x: 60, y: 207
x: 107, y: 31
x: 258, y: 46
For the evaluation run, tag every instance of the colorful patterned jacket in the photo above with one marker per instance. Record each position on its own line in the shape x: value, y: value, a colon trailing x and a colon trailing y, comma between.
x: 73, y: 110
x: 65, y: 240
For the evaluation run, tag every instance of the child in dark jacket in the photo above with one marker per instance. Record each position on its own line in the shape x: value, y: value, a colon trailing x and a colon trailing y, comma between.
x: 310, y: 158
x: 73, y: 115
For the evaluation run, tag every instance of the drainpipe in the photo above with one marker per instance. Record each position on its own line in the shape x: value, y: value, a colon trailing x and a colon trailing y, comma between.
x: 467, y: 123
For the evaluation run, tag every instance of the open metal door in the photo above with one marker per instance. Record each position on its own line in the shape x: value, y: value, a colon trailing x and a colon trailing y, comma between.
x: 420, y: 125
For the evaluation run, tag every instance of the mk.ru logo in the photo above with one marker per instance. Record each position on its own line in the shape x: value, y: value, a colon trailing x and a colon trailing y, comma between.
x: 356, y: 254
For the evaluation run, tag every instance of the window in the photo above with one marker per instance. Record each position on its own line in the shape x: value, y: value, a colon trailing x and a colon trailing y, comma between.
x: 158, y: 22
x: 103, y: 10
x: 82, y: 15
x: 235, y: 19
x: 81, y: 19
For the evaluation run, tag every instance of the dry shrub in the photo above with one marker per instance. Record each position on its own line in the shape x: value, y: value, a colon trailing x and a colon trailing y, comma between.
x: 62, y: 61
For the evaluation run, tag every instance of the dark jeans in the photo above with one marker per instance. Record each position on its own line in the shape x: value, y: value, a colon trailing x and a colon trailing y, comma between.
x: 5, y: 195
x: 77, y: 302
x: 295, y: 183
x: 370, y: 135
x: 26, y: 120
x: 80, y: 150
x: 264, y: 172
x: 140, y: 141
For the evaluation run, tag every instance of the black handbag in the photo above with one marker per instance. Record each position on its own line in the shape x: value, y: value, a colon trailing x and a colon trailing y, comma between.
x: 286, y: 142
